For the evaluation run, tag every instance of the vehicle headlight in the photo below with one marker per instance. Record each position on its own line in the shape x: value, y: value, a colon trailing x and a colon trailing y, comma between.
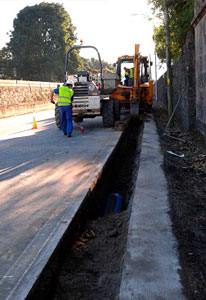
x: 92, y: 87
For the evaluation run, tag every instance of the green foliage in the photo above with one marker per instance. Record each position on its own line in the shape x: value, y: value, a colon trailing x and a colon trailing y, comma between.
x: 94, y: 64
x: 6, y: 64
x: 160, y: 46
x: 42, y: 34
x: 157, y: 4
x: 180, y: 16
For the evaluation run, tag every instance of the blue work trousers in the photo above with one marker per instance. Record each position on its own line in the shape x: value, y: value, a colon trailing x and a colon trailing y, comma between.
x: 66, y: 119
x: 126, y: 81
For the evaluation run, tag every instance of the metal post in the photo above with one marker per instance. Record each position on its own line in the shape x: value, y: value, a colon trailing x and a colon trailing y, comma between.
x: 168, y: 61
x: 156, y: 81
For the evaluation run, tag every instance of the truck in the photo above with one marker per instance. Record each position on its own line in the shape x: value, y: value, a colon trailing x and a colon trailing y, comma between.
x: 103, y: 93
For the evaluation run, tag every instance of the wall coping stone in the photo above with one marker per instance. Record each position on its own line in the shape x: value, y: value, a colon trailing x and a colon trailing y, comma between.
x: 24, y: 83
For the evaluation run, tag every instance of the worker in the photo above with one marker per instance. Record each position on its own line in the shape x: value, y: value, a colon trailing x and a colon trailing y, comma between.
x: 126, y: 76
x: 65, y: 98
x: 131, y: 76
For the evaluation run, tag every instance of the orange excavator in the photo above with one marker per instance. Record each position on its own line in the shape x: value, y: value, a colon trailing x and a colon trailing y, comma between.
x: 138, y: 91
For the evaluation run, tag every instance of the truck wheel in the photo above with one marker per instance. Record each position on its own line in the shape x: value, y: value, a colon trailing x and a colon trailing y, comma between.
x: 117, y: 109
x: 108, y: 113
x: 57, y: 116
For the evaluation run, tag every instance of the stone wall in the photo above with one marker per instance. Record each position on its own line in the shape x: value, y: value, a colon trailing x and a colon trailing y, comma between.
x: 162, y: 90
x: 19, y: 97
x: 199, y: 24
x: 198, y: 5
x: 183, y: 85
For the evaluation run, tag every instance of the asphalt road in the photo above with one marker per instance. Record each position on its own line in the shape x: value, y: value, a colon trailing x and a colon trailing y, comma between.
x: 44, y: 177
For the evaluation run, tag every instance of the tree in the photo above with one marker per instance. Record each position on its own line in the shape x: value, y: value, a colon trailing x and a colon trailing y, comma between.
x: 94, y: 64
x: 42, y: 34
x: 180, y: 16
x: 6, y: 64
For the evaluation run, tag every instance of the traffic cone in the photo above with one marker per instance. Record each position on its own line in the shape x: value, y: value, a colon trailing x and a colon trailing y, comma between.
x: 81, y: 128
x: 34, y: 123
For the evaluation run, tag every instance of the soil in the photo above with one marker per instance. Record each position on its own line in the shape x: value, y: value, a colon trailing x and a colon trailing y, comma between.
x: 187, y: 195
x: 86, y: 273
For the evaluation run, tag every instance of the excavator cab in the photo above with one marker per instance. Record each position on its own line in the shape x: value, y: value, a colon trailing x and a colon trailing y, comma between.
x: 123, y: 64
x: 139, y: 89
x: 146, y: 83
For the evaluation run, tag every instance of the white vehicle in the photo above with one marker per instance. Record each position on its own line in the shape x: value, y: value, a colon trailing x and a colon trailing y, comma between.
x: 91, y: 97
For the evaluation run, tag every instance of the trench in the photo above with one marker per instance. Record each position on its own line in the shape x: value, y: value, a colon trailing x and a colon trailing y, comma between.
x: 88, y: 261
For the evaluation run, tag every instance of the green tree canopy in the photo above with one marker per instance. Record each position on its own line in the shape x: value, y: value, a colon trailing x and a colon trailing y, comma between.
x: 5, y: 63
x: 180, y: 16
x: 94, y: 64
x: 42, y: 34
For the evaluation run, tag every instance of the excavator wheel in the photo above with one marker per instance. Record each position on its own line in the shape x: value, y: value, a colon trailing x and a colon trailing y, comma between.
x: 57, y: 116
x: 108, y: 113
x: 117, y: 109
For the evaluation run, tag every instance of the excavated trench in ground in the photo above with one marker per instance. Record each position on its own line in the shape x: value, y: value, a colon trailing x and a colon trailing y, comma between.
x: 87, y: 263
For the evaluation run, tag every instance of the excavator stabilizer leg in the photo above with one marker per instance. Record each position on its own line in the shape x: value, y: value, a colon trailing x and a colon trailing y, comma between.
x: 134, y: 108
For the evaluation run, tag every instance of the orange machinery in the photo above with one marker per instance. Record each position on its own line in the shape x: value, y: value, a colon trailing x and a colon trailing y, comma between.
x: 140, y: 90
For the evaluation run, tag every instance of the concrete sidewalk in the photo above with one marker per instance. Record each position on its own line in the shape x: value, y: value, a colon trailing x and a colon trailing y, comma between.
x: 150, y: 269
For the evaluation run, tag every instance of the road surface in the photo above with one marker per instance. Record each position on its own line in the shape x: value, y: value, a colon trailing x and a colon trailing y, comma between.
x: 44, y: 177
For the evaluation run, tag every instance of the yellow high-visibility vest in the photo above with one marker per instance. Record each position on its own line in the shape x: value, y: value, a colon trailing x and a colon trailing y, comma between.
x: 65, y: 95
x: 131, y: 73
